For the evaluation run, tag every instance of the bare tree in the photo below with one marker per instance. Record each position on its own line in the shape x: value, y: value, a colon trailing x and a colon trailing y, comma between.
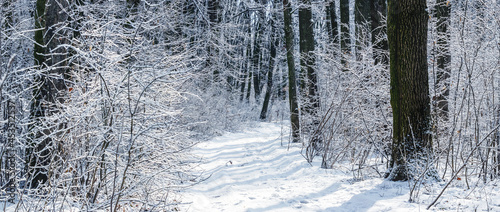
x: 292, y: 88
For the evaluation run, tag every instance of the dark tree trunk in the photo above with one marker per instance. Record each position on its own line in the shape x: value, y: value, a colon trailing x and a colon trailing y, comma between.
x: 267, y: 97
x: 292, y: 87
x: 249, y: 89
x: 214, y: 18
x: 245, y: 74
x: 443, y: 58
x: 307, y: 60
x: 274, y: 42
x: 412, y: 140
x: 362, y: 11
x: 39, y: 49
x: 380, y: 45
x: 306, y: 32
x: 332, y: 25
x: 345, y: 38
x: 362, y: 18
x: 257, y: 53
x: 243, y: 84
x: 50, y: 17
x: 256, y: 63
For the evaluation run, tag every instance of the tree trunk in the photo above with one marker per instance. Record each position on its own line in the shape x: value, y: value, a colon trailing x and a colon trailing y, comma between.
x: 412, y: 140
x: 50, y: 16
x: 362, y: 19
x: 306, y: 31
x: 273, y: 43
x: 246, y: 71
x: 443, y: 60
x: 267, y: 97
x: 37, y: 175
x: 256, y: 64
x: 249, y: 89
x: 307, y: 60
x: 292, y: 88
x: 331, y: 16
x: 39, y: 49
x: 380, y: 46
x: 257, y: 56
x: 213, y: 17
x: 345, y: 37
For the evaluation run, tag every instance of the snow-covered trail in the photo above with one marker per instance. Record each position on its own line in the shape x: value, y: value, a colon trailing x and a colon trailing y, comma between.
x: 251, y: 171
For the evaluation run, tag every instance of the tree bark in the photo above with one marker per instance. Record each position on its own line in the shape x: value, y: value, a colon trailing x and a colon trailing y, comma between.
x: 412, y: 140
x: 273, y: 43
x: 267, y: 97
x: 443, y: 59
x: 256, y: 60
x: 214, y: 18
x: 345, y: 37
x: 50, y: 16
x: 292, y: 88
x: 307, y: 60
x: 331, y: 16
x: 362, y: 18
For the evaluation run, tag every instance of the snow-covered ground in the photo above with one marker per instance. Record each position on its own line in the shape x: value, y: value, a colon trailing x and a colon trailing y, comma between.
x: 253, y: 171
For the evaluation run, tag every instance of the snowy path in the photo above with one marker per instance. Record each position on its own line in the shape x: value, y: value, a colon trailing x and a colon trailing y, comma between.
x: 251, y: 171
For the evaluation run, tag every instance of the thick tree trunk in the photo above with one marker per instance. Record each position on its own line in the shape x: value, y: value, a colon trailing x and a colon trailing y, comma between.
x: 345, y: 37
x: 37, y: 175
x: 443, y: 60
x: 50, y: 17
x: 380, y: 45
x: 292, y: 88
x: 307, y: 59
x: 412, y: 140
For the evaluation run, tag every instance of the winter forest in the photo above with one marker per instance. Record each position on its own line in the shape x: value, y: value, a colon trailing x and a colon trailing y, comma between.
x: 103, y: 101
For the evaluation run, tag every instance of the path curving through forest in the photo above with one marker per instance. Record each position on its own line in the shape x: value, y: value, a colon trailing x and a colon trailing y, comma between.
x: 252, y: 171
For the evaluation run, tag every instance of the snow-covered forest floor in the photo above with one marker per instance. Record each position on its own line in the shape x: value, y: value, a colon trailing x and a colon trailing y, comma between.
x: 258, y: 170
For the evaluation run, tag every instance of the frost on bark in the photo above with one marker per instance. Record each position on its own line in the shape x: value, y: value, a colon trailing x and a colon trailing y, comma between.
x: 412, y: 140
x: 292, y: 88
